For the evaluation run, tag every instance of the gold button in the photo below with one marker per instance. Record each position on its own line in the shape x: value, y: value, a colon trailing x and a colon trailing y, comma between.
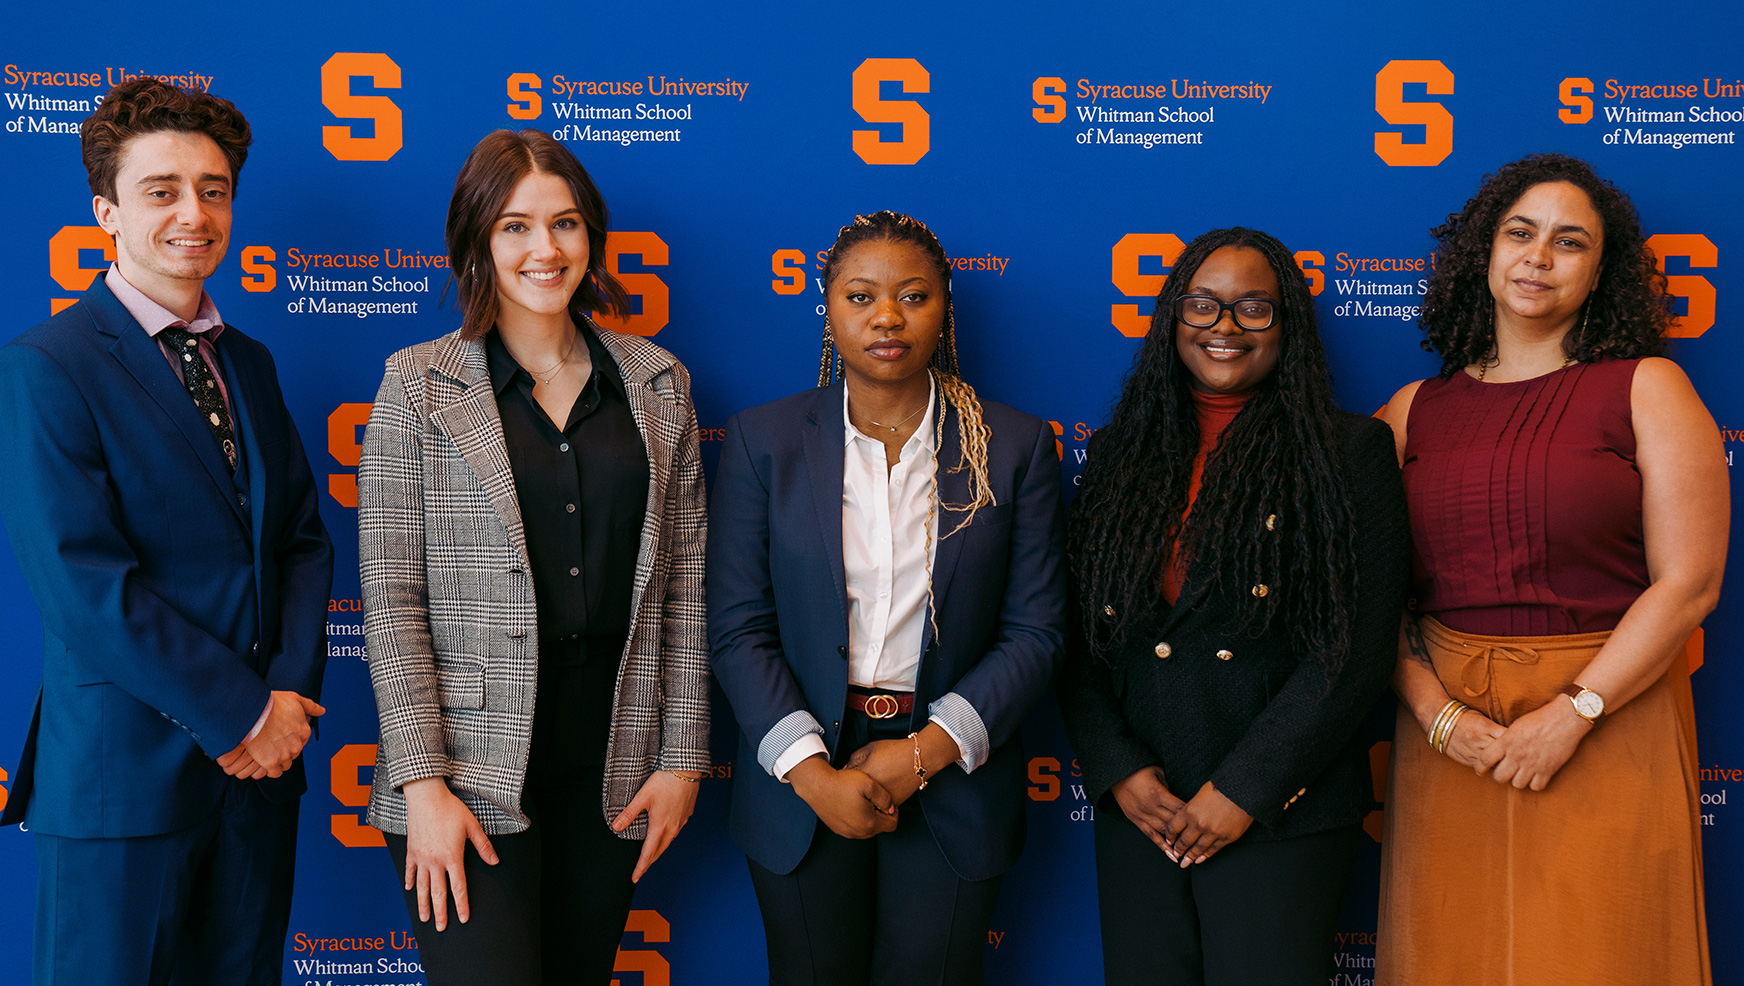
x: 1261, y: 591
x: 1164, y: 650
x: 1224, y: 655
x: 1107, y: 610
x: 1301, y: 792
x: 1272, y: 522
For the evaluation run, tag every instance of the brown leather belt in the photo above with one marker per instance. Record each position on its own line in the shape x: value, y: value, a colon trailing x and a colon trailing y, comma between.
x: 882, y: 706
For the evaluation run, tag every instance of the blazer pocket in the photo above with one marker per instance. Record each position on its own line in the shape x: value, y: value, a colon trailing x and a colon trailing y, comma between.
x: 460, y: 684
x: 991, y: 515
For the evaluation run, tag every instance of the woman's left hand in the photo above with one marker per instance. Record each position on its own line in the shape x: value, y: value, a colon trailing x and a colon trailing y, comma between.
x: 1536, y: 745
x: 668, y: 800
x: 1209, y: 822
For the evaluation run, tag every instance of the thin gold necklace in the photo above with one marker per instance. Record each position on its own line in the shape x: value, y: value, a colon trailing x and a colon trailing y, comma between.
x: 545, y: 376
x: 1484, y: 365
x: 911, y: 414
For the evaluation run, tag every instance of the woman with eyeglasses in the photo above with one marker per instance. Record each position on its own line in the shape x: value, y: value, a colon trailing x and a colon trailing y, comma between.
x: 1238, y: 550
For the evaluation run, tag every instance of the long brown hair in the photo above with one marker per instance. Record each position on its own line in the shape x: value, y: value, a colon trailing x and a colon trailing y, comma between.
x: 483, y: 187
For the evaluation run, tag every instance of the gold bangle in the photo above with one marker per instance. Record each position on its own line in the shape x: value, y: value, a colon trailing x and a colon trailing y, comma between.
x: 1447, y: 731
x: 683, y: 777
x: 1443, y: 722
x: 919, y: 771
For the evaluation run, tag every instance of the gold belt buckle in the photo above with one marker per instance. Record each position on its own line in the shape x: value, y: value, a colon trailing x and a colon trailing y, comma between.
x: 882, y: 706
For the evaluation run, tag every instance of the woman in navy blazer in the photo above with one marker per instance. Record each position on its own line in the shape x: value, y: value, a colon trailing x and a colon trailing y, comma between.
x: 886, y: 598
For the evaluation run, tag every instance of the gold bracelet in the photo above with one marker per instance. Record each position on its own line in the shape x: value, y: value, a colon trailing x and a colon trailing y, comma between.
x: 919, y: 771
x: 1447, y: 731
x: 1441, y: 721
x: 682, y: 777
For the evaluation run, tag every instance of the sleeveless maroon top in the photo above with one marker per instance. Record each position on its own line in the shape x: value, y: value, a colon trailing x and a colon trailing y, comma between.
x: 1525, y: 501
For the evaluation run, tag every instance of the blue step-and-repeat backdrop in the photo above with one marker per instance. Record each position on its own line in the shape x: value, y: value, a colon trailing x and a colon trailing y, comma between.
x: 1063, y: 153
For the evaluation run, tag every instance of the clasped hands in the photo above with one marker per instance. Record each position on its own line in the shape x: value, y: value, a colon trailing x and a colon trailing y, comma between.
x: 1526, y: 754
x: 861, y: 800
x: 1187, y: 832
x: 279, y: 742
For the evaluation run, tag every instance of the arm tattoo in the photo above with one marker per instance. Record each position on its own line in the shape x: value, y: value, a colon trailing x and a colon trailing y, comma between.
x: 1414, y: 640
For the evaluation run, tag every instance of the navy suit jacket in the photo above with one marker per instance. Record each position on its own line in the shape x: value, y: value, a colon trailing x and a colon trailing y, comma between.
x: 778, y: 615
x: 174, y: 596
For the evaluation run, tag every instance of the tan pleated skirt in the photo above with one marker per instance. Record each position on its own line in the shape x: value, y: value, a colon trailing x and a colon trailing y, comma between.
x: 1596, y: 880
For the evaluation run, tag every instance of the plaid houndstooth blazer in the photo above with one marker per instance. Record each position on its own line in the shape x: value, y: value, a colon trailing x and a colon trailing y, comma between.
x: 449, y: 614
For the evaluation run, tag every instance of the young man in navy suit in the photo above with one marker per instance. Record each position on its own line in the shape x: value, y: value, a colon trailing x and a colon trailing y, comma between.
x: 164, y: 516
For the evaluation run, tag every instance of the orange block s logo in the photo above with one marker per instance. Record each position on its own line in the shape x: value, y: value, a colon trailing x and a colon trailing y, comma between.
x: 256, y: 260
x: 1699, y: 291
x: 1044, y: 779
x: 656, y: 302
x: 1437, y: 122
x: 524, y: 101
x: 352, y: 793
x: 343, y: 446
x: 653, y: 928
x: 1311, y: 261
x: 788, y: 266
x: 336, y: 76
x: 1050, y: 107
x: 65, y: 250
x: 916, y: 124
x: 1124, y: 264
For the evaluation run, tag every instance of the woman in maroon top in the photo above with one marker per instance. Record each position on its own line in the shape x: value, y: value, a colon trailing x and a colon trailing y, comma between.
x: 1569, y: 507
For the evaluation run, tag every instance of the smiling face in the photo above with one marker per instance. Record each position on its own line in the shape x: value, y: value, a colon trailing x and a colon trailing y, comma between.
x: 1546, y: 253
x: 171, y: 214
x: 1224, y: 358
x: 887, y: 309
x: 539, y: 247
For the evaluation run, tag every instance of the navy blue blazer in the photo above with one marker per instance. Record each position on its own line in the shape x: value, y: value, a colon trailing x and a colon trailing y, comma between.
x: 174, y: 597
x: 778, y: 615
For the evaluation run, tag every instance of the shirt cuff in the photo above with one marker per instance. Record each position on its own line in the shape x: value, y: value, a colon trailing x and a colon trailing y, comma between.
x: 793, y: 727
x: 957, y: 717
x: 252, y: 733
x: 809, y: 745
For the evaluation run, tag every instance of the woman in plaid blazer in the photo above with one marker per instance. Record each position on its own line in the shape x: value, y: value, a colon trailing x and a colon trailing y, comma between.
x: 531, y: 527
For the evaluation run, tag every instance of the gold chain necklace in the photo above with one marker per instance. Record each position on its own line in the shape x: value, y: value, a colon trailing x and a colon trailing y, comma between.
x: 1484, y: 365
x: 545, y: 376
x: 911, y: 414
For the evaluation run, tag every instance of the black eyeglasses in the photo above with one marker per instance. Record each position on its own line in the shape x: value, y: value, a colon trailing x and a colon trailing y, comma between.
x: 1202, y: 311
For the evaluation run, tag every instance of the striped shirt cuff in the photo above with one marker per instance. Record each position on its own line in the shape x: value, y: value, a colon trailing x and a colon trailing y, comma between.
x: 956, y: 716
x: 792, y: 727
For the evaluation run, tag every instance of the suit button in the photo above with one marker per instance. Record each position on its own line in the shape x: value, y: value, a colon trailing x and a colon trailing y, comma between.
x: 1261, y: 591
x: 242, y: 499
x: 843, y: 651
x: 1224, y: 655
x: 1164, y: 650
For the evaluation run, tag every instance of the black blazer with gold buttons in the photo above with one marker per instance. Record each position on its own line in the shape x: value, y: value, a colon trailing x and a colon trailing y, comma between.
x: 1250, y: 712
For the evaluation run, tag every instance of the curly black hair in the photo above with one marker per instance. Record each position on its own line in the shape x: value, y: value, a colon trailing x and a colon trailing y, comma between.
x: 1626, y: 315
x: 1276, y: 458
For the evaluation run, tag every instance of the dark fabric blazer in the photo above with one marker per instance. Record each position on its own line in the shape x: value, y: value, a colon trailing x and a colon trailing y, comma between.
x: 449, y: 609
x: 1261, y: 725
x: 174, y: 596
x: 778, y: 615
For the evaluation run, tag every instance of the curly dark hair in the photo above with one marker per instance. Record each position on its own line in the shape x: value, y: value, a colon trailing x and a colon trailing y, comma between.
x: 1626, y: 315
x: 1276, y: 458
x: 486, y: 182
x: 144, y: 105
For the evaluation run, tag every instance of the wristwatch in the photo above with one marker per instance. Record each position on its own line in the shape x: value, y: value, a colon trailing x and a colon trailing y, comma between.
x: 1588, y: 704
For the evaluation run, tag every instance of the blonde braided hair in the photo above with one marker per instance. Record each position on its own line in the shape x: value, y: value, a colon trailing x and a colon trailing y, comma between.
x: 972, y: 432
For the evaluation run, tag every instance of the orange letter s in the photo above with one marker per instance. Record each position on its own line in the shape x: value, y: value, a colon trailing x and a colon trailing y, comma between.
x: 1437, y: 122
x: 336, y: 76
x: 916, y: 124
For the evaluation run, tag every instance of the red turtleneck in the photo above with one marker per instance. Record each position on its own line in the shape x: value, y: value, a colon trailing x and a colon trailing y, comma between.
x: 1215, y: 412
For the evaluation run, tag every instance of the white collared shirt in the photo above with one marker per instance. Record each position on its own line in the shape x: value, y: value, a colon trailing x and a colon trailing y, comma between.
x: 889, y: 544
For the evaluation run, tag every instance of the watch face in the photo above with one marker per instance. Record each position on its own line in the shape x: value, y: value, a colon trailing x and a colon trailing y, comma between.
x: 1589, y: 704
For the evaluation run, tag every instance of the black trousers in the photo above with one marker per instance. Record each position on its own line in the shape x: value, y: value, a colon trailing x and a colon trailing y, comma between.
x: 1257, y: 912
x: 553, y: 908
x: 887, y: 911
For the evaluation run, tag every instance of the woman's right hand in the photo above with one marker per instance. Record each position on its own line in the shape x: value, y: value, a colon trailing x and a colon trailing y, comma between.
x: 1473, y: 742
x: 1148, y: 803
x: 438, y: 827
x: 850, y: 802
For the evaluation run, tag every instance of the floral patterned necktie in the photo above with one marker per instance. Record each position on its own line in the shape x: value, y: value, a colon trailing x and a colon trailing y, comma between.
x: 203, y: 388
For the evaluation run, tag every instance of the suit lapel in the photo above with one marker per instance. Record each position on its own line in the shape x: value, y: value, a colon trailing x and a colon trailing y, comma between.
x: 824, y: 456
x: 245, y: 394
x: 952, y: 487
x: 463, y: 406
x: 641, y: 367
x: 1191, y: 598
x: 140, y: 355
